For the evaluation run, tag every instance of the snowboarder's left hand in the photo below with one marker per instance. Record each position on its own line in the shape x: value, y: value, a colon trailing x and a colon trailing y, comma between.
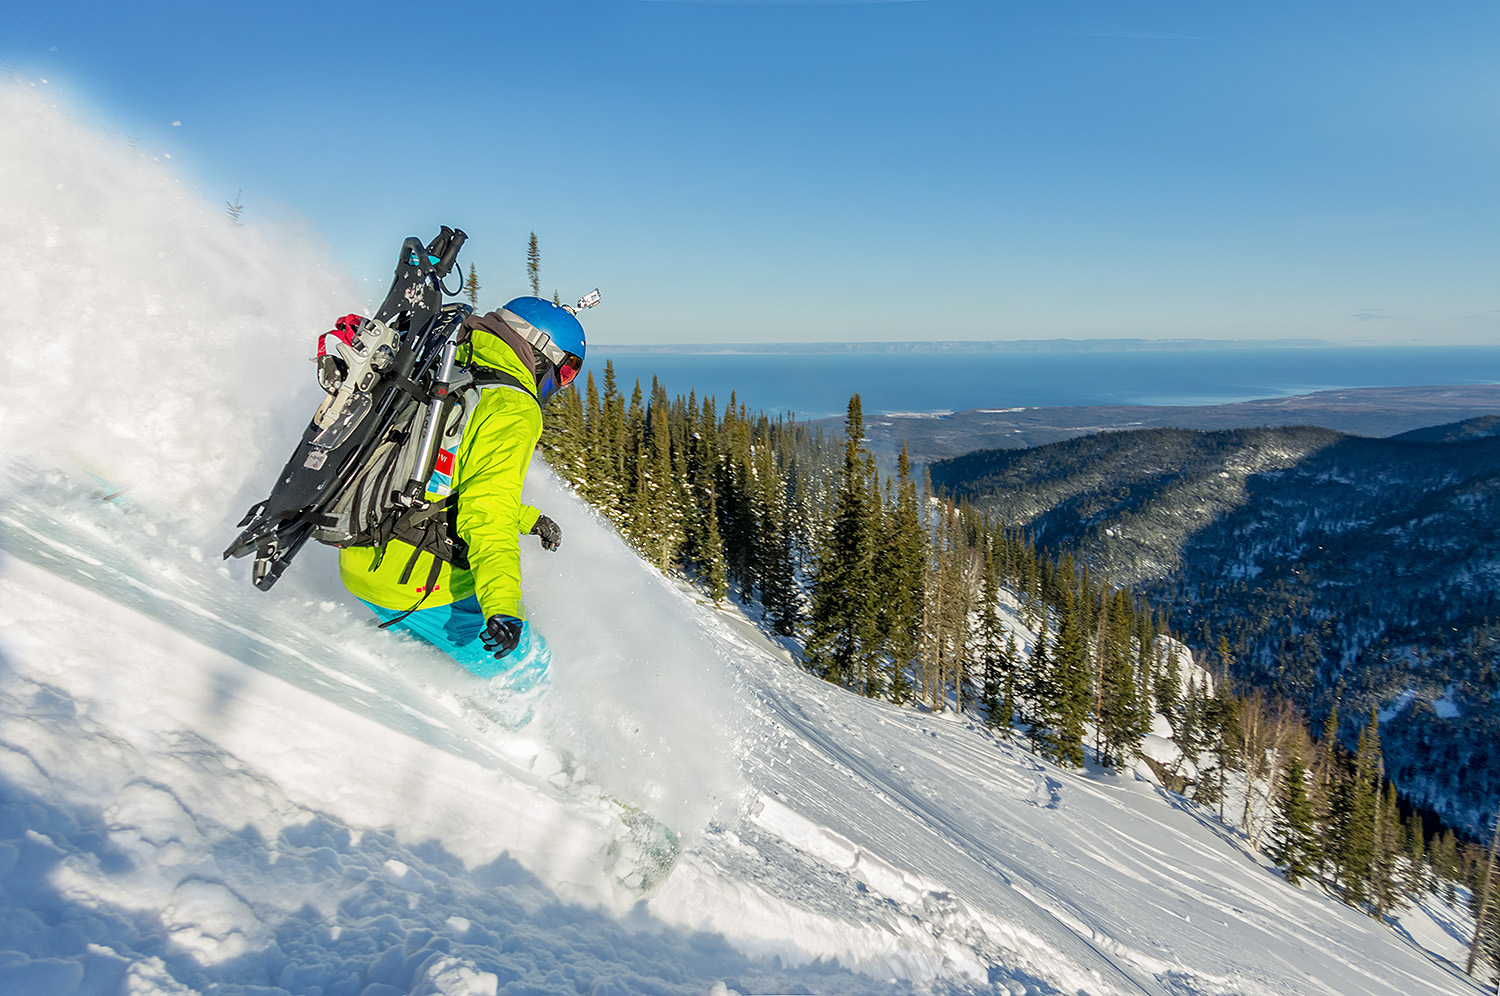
x: 501, y: 635
x: 549, y: 532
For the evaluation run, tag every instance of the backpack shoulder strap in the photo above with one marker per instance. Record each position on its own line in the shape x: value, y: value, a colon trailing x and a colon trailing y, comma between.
x: 487, y: 377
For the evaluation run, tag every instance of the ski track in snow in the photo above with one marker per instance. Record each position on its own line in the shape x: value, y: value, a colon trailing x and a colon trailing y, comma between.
x: 206, y: 789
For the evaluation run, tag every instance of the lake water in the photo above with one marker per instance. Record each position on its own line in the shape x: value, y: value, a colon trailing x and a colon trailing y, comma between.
x: 818, y: 385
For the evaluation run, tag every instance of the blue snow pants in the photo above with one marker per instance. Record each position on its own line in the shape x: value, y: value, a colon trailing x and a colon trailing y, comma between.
x: 455, y: 630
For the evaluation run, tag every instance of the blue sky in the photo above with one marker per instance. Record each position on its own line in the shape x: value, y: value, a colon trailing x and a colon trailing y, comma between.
x: 937, y: 169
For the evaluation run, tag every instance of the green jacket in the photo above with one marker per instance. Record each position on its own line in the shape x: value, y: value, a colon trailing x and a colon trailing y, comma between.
x: 489, y: 468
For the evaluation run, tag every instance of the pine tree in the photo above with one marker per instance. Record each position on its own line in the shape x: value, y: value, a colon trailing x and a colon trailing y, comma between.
x: 737, y: 500
x: 842, y: 640
x: 1147, y: 661
x: 716, y: 571
x: 659, y: 515
x: 635, y: 501
x: 703, y: 546
x: 589, y: 483
x: 901, y: 557
x: 950, y: 594
x: 1187, y: 725
x: 1220, y: 719
x: 1043, y: 700
x: 1007, y: 717
x: 786, y: 611
x: 1295, y: 840
x: 1073, y: 684
x: 989, y: 653
x: 1355, y: 814
x: 534, y: 266
x: 1121, y: 722
x: 609, y: 469
x: 1327, y: 788
x: 471, y: 287
x: 1417, y: 880
x: 762, y: 482
x: 1445, y: 863
x: 1168, y: 688
x: 1386, y: 890
x: 715, y: 558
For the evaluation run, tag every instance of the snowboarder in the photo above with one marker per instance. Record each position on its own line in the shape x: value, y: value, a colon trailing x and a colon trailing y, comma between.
x: 520, y: 355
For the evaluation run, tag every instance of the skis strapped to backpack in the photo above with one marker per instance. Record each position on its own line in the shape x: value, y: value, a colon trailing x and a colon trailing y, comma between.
x: 360, y: 475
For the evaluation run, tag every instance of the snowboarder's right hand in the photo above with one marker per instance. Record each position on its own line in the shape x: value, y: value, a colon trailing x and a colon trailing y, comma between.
x: 549, y: 532
x: 501, y: 634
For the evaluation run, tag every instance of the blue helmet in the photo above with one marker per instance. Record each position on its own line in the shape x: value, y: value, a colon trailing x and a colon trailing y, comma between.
x: 556, y: 335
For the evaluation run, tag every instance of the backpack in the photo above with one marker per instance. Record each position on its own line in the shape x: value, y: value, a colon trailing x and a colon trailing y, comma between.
x: 376, y: 504
x: 395, y: 398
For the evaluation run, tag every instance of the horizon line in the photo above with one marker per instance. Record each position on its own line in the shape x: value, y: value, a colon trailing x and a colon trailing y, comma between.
x: 939, y: 345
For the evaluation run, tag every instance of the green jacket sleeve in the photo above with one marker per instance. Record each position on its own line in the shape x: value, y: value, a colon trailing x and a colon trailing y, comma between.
x: 529, y: 516
x: 495, y: 455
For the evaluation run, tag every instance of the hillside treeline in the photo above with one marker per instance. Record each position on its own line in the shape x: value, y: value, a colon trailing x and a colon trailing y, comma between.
x: 888, y: 594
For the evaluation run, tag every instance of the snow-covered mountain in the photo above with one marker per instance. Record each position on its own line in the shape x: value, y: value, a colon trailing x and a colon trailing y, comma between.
x: 207, y: 789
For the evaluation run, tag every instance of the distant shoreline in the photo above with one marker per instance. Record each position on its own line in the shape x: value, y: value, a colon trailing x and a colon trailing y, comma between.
x: 988, y: 346
x: 1368, y: 411
x: 926, y: 380
x: 1004, y: 345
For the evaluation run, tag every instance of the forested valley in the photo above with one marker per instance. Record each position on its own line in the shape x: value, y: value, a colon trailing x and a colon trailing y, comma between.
x: 1342, y: 570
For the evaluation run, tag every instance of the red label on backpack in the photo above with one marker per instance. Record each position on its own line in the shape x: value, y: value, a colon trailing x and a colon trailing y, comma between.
x: 441, y: 481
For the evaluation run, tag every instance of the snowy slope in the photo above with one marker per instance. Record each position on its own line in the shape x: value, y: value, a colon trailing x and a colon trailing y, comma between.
x: 208, y: 789
x: 213, y: 793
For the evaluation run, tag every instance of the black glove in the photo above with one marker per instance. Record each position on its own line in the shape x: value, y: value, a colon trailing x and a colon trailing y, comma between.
x: 501, y: 634
x: 549, y: 531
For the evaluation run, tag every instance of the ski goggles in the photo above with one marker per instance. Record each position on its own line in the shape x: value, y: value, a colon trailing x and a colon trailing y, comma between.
x: 565, y: 365
x: 558, y: 375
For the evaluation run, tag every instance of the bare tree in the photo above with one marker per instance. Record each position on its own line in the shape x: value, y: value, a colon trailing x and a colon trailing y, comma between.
x: 1486, y: 887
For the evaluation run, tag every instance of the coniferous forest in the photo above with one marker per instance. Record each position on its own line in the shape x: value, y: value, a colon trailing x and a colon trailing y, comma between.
x: 895, y: 594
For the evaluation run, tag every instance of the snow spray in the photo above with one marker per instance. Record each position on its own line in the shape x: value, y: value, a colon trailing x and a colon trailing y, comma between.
x: 149, y: 340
